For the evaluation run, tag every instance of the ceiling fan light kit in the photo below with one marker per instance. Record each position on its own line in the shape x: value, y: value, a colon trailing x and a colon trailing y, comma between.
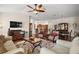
x: 35, y: 12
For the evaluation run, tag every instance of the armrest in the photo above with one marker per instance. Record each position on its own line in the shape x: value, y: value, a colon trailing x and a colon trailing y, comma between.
x: 14, y: 51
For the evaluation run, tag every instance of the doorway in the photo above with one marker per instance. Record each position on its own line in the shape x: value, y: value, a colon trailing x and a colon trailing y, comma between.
x: 43, y: 29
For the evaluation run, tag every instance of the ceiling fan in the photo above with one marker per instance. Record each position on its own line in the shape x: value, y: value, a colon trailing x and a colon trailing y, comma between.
x: 37, y: 9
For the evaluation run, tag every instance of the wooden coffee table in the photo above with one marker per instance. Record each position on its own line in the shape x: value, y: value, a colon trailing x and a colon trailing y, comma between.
x: 35, y: 42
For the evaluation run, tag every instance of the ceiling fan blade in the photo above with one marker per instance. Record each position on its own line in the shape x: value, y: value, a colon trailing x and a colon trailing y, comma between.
x: 29, y: 6
x: 40, y: 6
x: 41, y: 10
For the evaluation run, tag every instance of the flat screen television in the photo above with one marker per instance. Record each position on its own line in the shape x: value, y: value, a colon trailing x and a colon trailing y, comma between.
x: 14, y: 24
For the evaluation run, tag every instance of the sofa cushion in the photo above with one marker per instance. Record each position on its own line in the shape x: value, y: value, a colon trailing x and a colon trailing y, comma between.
x: 2, y: 48
x: 75, y: 46
x: 9, y: 45
x: 2, y: 38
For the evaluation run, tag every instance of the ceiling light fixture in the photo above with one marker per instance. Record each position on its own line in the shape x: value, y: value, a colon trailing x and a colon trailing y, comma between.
x: 35, y: 12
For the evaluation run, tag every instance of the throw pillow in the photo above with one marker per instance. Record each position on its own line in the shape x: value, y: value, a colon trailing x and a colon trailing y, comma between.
x: 2, y: 38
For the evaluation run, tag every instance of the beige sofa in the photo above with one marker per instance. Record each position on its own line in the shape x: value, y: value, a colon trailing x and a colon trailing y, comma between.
x: 12, y: 49
x: 8, y: 47
x: 63, y: 47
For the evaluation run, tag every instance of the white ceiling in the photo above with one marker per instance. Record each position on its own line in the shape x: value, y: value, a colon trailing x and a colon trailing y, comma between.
x: 53, y: 11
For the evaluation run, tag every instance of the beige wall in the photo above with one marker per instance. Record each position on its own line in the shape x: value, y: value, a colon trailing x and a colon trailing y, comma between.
x: 5, y: 19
